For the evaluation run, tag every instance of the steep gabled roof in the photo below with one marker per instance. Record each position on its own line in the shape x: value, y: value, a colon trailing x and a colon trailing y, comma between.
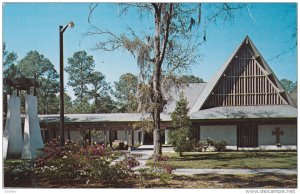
x: 215, y: 79
x: 271, y: 73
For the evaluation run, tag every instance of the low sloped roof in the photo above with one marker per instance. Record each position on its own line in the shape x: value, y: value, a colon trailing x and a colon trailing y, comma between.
x: 251, y: 112
x: 95, y: 118
x: 191, y: 92
x: 217, y: 113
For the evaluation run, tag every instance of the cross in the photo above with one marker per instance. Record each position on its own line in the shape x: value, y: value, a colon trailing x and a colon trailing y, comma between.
x: 277, y: 132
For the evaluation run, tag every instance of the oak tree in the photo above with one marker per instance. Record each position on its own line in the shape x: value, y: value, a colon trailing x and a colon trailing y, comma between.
x: 168, y: 48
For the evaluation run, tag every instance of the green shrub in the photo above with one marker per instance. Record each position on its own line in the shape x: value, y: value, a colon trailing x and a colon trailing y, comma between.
x: 137, y: 145
x: 201, y: 146
x: 180, y: 139
x: 210, y: 145
x: 17, y: 173
x: 220, y: 146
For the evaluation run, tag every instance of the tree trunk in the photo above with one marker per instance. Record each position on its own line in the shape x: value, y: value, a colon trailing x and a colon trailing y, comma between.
x: 156, y: 136
x: 156, y: 96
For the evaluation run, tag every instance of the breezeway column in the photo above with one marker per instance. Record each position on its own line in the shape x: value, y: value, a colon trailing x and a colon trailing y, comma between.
x: 105, y: 137
x: 167, y: 136
x: 130, y: 138
x: 142, y: 137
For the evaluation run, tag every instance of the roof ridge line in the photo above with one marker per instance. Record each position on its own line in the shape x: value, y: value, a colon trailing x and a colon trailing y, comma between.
x: 197, y: 98
x: 214, y: 79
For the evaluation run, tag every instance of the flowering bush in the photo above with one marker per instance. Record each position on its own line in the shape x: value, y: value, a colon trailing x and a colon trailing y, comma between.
x: 167, y: 168
x: 101, y: 169
x: 162, y: 166
x: 119, y: 145
x: 90, y: 163
x: 163, y: 158
x: 94, y: 150
x: 68, y: 167
x: 131, y: 161
x: 70, y: 163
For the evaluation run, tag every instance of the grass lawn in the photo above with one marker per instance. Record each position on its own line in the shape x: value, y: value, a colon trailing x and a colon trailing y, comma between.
x: 243, y: 160
x: 209, y: 181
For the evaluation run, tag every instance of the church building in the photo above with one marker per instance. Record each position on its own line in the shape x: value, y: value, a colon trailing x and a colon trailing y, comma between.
x: 243, y: 104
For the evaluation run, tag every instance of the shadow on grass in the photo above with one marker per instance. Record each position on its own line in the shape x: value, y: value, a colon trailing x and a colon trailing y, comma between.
x: 226, y: 156
x: 253, y: 181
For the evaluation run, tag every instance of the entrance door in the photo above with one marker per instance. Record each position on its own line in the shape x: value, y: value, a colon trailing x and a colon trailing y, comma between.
x: 148, y: 138
x: 247, y: 135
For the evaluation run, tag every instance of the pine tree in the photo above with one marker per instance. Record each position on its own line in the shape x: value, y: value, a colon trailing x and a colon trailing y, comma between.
x: 80, y: 69
x: 180, y: 116
x: 181, y: 136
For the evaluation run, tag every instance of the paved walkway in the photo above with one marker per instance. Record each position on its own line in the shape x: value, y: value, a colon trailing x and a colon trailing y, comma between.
x: 147, y: 150
x: 234, y: 171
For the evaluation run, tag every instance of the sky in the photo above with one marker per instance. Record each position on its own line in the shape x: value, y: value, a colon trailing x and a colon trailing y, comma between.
x: 34, y: 26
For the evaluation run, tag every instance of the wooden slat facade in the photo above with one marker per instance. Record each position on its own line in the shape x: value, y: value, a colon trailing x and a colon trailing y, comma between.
x: 245, y: 82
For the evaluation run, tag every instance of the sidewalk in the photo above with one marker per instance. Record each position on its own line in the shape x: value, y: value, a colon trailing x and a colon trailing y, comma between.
x: 145, y: 150
x: 234, y: 171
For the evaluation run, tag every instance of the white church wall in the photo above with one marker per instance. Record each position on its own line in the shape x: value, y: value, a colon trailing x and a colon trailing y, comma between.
x: 220, y: 132
x: 75, y: 135
x: 136, y: 137
x: 122, y: 135
x: 265, y: 136
x: 98, y: 136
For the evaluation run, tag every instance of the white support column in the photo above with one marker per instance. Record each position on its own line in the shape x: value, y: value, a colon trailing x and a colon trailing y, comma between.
x: 129, y: 140
x: 105, y: 137
x: 136, y: 136
x: 167, y: 136
x: 32, y: 131
x: 12, y: 135
x: 142, y: 137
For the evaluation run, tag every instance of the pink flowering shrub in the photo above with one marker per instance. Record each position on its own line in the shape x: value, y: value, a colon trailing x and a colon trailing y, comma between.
x: 131, y: 161
x: 163, y: 158
x: 95, y: 150
x: 74, y: 163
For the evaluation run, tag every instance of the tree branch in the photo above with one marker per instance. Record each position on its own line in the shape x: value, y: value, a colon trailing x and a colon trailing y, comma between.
x: 225, y: 8
x: 92, y: 7
x: 166, y: 35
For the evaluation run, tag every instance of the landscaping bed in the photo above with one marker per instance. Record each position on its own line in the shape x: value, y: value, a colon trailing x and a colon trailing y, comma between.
x: 206, y: 181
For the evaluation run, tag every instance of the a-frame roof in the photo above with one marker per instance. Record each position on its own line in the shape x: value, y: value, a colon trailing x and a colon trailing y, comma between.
x: 215, y: 79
